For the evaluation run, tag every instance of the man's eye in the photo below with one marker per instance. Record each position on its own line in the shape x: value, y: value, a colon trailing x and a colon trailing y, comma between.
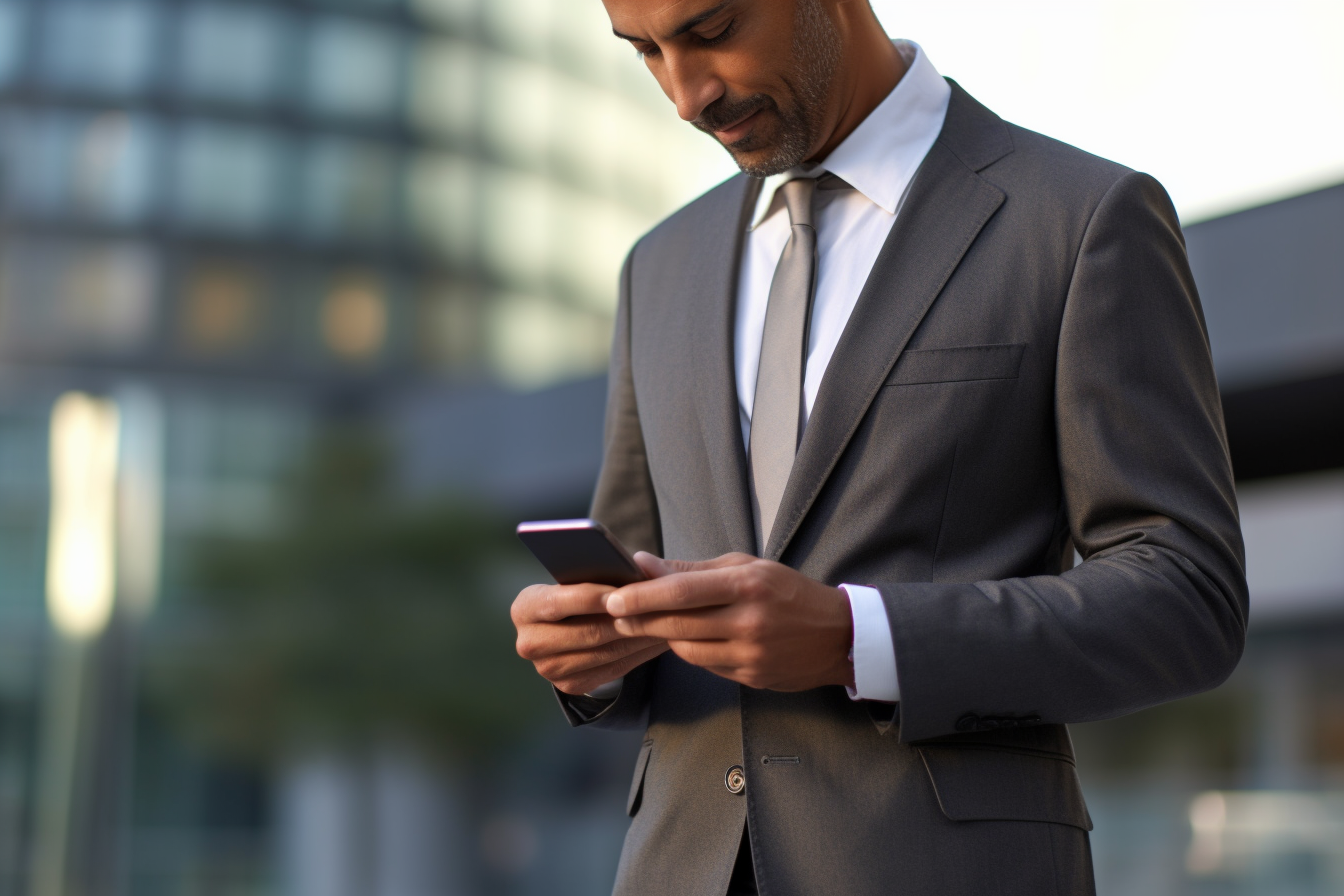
x: 722, y: 36
x: 644, y: 51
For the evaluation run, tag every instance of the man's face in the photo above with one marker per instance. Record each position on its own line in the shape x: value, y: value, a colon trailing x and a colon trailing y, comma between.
x: 757, y: 75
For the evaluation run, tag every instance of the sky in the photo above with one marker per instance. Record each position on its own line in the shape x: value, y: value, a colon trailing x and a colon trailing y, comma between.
x: 1230, y: 103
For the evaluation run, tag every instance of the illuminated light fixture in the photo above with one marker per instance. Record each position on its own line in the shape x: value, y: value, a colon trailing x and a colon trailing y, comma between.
x: 222, y: 309
x: 354, y: 319
x: 81, y: 565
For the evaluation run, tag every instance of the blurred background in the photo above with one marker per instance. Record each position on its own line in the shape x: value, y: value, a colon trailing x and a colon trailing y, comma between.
x: 304, y: 304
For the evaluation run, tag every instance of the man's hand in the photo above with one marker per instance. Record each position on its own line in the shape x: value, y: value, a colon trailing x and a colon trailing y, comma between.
x: 755, y: 622
x: 565, y: 632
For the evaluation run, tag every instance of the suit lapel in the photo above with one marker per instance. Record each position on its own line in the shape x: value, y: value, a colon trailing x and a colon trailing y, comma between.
x: 946, y: 208
x: 713, y: 288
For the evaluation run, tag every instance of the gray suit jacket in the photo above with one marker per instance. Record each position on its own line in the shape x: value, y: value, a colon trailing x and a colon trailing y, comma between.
x: 1027, y: 369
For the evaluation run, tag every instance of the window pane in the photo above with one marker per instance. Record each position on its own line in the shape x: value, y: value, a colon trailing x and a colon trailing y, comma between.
x: 522, y: 25
x: 104, y: 47
x: 452, y: 13
x: 517, y: 238
x: 232, y: 52
x: 518, y: 110
x: 221, y: 310
x: 535, y: 340
x: 23, y: 512
x: 23, y: 458
x: 223, y: 460
x: 593, y: 133
x: 13, y: 22
x: 591, y: 238
x: 444, y: 87
x: 353, y: 69
x: 59, y: 295
x: 353, y: 318
x: 348, y: 189
x: 441, y: 199
x: 365, y: 4
x: 448, y: 326
x: 582, y: 38
x: 228, y: 177
x: 93, y: 166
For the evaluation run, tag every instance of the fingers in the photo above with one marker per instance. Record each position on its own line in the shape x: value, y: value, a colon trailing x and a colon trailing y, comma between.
x: 713, y: 624
x: 583, y: 682
x: 725, y: 658
x: 552, y: 603
x: 713, y: 583
x: 653, y: 565
x: 537, y: 640
x: 735, y: 661
x: 580, y: 673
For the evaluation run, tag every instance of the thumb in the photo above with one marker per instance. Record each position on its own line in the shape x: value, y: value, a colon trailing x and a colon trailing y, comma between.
x: 655, y: 566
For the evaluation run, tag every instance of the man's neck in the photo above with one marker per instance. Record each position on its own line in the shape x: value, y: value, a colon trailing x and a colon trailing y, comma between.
x: 872, y: 69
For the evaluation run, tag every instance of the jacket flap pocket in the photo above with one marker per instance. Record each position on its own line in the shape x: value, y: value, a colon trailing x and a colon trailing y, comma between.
x: 983, y: 784
x: 954, y: 365
x: 637, y: 783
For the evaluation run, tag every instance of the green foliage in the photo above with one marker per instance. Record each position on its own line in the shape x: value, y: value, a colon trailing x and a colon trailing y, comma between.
x: 357, y: 618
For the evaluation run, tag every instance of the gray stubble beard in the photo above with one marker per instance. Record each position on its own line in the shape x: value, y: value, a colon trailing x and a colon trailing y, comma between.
x: 816, y: 56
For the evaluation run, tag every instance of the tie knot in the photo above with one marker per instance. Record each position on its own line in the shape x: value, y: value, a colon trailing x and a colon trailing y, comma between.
x: 798, y: 199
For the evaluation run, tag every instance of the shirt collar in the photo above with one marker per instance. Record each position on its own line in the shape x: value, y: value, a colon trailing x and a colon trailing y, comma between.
x: 880, y: 157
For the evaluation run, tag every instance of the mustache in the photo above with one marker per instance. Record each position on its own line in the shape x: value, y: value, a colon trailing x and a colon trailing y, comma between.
x: 724, y: 112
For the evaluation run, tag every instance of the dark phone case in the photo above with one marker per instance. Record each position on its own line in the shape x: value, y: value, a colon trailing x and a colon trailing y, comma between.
x: 574, y: 555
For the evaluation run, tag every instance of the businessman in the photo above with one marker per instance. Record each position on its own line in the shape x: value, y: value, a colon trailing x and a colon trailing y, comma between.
x: 867, y: 399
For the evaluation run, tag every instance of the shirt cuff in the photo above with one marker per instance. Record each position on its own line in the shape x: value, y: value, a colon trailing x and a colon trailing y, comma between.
x: 609, y: 691
x: 874, y: 648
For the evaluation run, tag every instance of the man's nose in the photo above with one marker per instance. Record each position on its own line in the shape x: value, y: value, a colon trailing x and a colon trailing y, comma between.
x: 692, y: 85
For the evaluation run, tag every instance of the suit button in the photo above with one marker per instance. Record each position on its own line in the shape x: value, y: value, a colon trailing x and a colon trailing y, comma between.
x: 968, y: 722
x: 735, y: 780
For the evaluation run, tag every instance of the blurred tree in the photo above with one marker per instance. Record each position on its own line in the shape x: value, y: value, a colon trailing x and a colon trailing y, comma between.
x: 364, y: 617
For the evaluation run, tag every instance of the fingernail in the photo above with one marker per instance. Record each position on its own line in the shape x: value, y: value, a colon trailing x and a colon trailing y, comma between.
x: 615, y: 603
x: 623, y: 626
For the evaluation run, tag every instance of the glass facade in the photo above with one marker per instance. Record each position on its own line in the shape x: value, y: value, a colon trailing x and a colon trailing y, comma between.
x: 232, y: 53
x: 104, y: 48
x: 246, y: 216
x: 507, y: 147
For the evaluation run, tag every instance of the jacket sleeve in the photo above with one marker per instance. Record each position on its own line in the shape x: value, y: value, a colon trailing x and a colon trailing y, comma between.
x: 625, y: 503
x: 1158, y: 608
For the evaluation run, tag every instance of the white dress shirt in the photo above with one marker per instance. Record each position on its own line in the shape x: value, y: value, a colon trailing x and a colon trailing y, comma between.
x: 878, y: 160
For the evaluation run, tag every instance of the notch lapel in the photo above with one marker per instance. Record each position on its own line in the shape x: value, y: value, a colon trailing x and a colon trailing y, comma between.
x: 946, y: 208
x: 712, y: 282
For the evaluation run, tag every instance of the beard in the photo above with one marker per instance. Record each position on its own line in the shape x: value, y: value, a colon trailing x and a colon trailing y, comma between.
x: 798, y: 123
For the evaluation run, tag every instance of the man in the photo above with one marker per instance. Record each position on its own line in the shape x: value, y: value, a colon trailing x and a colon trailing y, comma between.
x: 911, y: 360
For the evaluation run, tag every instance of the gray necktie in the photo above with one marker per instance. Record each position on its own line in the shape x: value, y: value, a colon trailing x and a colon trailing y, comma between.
x: 778, y: 406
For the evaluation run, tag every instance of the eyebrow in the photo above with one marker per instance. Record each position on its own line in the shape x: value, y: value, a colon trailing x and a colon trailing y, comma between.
x: 684, y: 26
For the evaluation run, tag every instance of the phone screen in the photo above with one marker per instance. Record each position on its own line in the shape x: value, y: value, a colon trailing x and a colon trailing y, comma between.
x: 578, y: 551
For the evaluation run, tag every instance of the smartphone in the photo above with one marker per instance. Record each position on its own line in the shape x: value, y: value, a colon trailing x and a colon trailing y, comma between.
x: 578, y: 551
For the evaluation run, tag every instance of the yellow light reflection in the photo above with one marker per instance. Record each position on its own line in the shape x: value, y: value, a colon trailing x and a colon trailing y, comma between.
x: 81, y: 569
x: 354, y: 319
x: 222, y: 309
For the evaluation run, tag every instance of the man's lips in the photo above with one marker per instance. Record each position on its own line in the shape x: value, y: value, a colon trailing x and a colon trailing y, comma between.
x: 738, y: 130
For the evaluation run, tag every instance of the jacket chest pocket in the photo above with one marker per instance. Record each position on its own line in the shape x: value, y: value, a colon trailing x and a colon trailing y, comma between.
x: 962, y: 364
